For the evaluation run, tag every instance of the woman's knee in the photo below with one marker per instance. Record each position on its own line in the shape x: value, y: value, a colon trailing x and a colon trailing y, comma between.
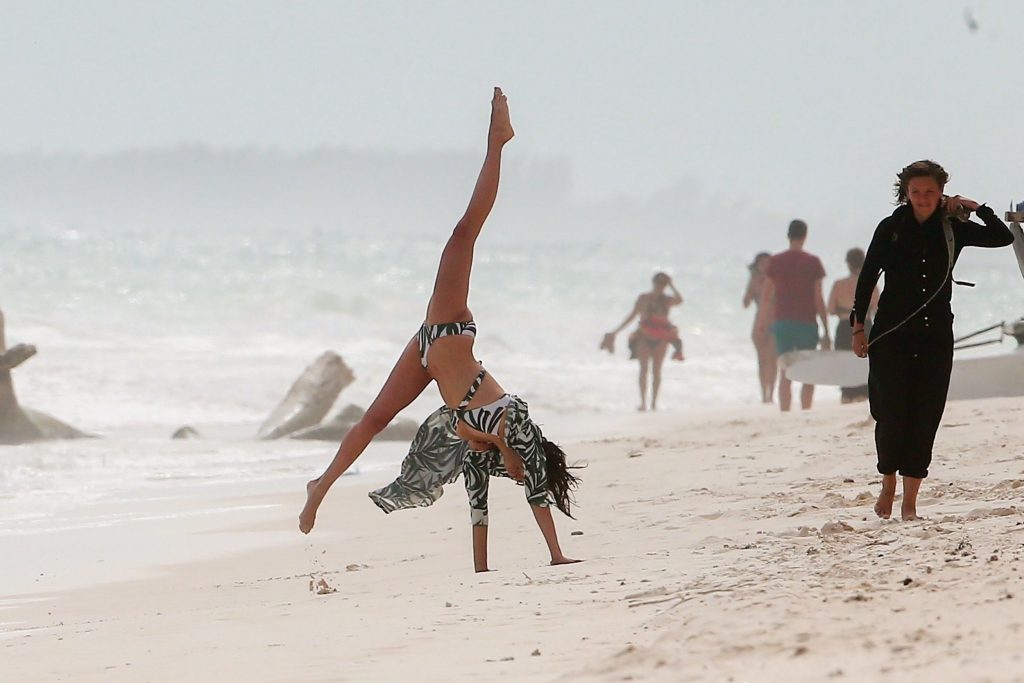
x: 463, y: 237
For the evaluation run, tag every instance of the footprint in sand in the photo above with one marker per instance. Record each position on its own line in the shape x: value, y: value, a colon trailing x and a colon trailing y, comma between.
x: 982, y: 513
x: 319, y: 586
x: 837, y: 527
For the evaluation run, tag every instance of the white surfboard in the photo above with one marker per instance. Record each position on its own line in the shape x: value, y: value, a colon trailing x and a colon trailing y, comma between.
x: 832, y: 368
x: 981, y: 377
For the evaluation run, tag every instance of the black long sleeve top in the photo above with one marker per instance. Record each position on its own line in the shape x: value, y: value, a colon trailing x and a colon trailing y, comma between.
x: 915, y: 258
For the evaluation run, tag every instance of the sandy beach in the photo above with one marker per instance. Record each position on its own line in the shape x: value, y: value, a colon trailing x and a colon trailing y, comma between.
x: 731, y: 546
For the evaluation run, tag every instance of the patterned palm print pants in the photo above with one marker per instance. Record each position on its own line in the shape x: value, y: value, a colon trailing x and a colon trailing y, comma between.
x: 437, y: 457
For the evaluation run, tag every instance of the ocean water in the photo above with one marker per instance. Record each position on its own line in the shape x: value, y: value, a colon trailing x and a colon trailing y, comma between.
x: 140, y: 332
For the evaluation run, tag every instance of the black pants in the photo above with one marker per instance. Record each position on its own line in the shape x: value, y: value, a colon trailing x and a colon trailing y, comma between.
x: 907, y: 385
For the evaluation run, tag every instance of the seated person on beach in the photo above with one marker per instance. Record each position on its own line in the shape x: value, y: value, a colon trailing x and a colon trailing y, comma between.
x: 654, y: 334
x: 442, y: 351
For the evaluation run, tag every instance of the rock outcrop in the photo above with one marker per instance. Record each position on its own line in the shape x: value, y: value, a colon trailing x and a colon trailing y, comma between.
x: 310, y: 397
x: 17, y: 424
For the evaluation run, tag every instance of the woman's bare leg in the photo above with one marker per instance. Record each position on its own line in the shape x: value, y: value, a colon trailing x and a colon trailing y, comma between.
x: 407, y: 380
x: 908, y: 510
x: 766, y: 365
x: 643, y: 355
x: 449, y: 301
x: 657, y: 361
x: 772, y: 361
x: 547, y: 529
x: 480, y: 548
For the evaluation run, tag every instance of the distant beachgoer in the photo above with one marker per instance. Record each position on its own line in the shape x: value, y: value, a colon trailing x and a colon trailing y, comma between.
x: 764, y: 343
x: 792, y: 297
x: 840, y: 303
x: 654, y: 334
x: 911, y: 345
x: 477, y: 407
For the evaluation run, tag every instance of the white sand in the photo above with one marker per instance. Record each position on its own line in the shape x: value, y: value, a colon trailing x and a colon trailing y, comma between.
x: 738, y: 546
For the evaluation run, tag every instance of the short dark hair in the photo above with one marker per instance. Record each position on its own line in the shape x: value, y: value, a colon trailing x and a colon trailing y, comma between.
x: 855, y: 258
x: 926, y: 168
x: 797, y: 230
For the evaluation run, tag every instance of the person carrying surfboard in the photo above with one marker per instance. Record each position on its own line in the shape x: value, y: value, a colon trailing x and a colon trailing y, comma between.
x: 792, y: 297
x: 910, y: 349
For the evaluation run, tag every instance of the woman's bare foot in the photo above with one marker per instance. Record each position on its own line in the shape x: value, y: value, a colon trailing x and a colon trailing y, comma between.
x: 307, y: 518
x: 883, y: 506
x: 501, y: 125
x: 562, y: 559
x: 909, y: 514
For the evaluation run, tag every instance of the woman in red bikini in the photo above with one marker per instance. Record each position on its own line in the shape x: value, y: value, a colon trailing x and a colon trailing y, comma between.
x: 650, y: 341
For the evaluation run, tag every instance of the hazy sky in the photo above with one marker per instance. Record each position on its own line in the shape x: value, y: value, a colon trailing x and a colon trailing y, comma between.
x: 794, y: 104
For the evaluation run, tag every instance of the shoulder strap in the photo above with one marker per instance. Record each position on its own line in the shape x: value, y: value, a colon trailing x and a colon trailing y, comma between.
x: 947, y: 230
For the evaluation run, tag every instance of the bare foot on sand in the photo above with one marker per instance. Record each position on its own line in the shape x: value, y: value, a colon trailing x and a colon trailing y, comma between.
x: 883, y: 506
x: 307, y: 518
x: 563, y: 560
x: 501, y: 125
x: 909, y: 514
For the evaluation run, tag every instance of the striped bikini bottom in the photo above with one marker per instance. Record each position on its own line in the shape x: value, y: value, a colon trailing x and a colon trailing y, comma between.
x: 486, y: 419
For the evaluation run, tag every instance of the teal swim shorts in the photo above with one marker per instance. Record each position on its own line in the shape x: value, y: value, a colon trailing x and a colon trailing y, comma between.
x: 794, y: 335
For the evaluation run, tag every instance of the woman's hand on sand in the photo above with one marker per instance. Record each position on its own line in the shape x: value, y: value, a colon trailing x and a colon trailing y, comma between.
x: 860, y: 343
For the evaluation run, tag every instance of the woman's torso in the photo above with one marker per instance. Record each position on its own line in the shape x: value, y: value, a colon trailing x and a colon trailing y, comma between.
x: 654, y: 305
x: 755, y: 288
x: 915, y: 261
x: 454, y: 367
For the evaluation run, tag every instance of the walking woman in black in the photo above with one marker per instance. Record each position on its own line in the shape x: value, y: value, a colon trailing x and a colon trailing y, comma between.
x: 911, y: 346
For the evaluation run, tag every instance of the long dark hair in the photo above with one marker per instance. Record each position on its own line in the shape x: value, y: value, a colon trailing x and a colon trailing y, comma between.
x: 561, y: 482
